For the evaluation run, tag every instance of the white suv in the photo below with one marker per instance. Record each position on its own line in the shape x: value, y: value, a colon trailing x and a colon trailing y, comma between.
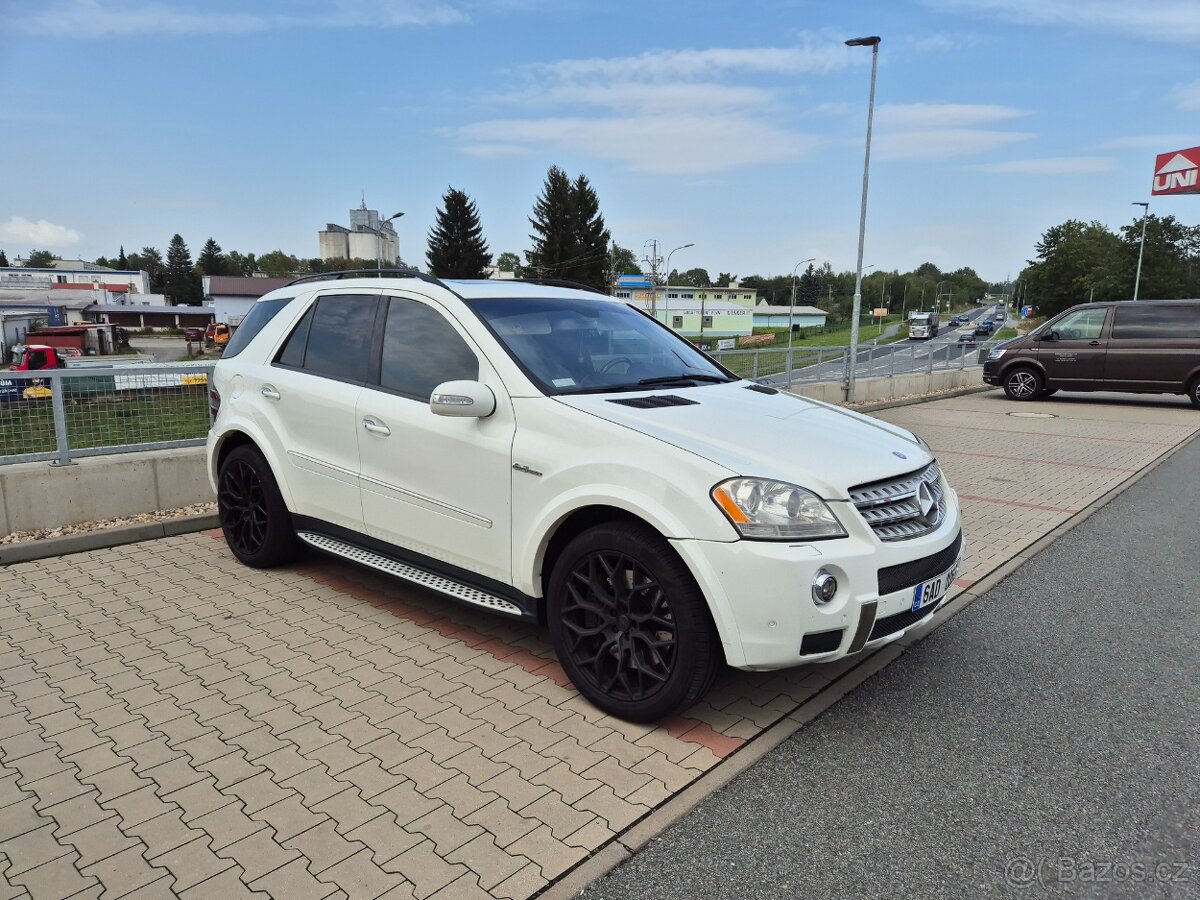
x: 554, y: 455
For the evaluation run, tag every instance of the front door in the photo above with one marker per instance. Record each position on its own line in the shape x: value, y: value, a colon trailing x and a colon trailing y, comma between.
x: 435, y: 485
x: 1074, y: 358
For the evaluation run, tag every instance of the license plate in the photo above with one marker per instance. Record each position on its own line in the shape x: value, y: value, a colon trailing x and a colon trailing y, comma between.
x: 931, y: 592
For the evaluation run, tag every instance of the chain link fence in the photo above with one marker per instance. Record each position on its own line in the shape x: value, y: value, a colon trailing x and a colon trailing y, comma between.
x: 62, y: 414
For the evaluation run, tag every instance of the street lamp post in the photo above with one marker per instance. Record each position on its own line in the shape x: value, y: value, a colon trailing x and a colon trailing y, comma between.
x: 666, y: 299
x: 379, y: 240
x: 873, y: 43
x: 1137, y: 281
x: 792, y: 308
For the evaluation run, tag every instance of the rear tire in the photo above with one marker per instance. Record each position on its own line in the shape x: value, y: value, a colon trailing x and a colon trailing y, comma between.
x: 255, y: 520
x: 1023, y: 383
x: 1194, y: 392
x: 629, y: 624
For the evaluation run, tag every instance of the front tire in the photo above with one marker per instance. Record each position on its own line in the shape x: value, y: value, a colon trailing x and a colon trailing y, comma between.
x: 254, y: 518
x: 629, y: 624
x: 1023, y: 383
x: 1194, y: 392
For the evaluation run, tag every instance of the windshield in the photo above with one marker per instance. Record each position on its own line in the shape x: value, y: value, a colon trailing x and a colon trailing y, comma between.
x: 18, y: 356
x: 593, y: 346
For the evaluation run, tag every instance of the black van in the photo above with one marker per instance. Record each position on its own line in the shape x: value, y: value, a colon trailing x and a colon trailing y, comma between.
x: 1146, y: 347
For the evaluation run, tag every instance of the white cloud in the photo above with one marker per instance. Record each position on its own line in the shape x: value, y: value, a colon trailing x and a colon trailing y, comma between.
x: 631, y: 96
x: 678, y: 144
x: 1187, y: 96
x: 1051, y: 165
x: 1169, y: 21
x: 944, y: 143
x: 943, y: 115
x: 37, y: 235
x: 1147, y: 142
x: 108, y: 18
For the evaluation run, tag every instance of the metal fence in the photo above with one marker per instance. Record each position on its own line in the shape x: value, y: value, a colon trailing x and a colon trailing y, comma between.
x: 812, y: 364
x: 61, y: 414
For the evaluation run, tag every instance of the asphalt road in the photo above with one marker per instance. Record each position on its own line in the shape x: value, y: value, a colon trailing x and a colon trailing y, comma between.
x: 1044, y: 742
x: 898, y: 358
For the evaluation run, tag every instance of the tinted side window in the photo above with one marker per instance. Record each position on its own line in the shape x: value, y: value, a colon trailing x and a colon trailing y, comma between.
x: 292, y: 353
x: 1081, y: 325
x: 1157, y: 323
x: 421, y: 350
x: 339, y: 339
x: 260, y: 314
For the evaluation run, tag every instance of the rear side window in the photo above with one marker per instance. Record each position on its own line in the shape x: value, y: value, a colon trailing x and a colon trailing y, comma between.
x: 339, y: 337
x: 260, y: 314
x: 1157, y: 323
x: 421, y: 350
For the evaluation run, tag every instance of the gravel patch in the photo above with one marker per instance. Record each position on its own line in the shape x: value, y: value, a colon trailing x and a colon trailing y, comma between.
x: 18, y: 537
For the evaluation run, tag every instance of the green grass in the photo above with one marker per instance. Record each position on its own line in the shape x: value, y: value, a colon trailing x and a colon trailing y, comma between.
x: 170, y: 414
x: 1003, y: 334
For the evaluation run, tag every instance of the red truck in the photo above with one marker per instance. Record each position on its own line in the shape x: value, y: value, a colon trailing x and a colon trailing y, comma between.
x: 32, y: 357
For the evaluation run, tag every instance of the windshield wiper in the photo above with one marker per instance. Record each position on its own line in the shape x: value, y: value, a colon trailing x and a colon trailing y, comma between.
x: 676, y: 379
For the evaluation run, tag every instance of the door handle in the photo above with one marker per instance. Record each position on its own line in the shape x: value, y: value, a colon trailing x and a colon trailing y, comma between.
x: 1095, y: 343
x: 269, y: 392
x: 373, y: 425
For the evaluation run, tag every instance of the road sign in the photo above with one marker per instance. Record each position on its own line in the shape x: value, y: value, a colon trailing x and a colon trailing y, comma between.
x: 879, y: 312
x: 1177, y: 172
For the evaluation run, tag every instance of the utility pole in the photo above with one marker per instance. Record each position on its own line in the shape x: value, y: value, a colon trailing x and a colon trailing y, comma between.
x: 653, y: 261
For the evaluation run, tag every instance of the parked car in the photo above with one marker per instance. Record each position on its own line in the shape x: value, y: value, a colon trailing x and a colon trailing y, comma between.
x: 193, y: 335
x: 554, y: 455
x: 1147, y: 347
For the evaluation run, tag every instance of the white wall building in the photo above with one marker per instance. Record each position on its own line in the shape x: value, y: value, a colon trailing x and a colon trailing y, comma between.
x: 366, y: 238
x: 75, y: 271
x: 231, y: 296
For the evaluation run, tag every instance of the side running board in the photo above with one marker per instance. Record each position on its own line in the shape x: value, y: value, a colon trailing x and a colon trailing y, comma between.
x: 410, y: 573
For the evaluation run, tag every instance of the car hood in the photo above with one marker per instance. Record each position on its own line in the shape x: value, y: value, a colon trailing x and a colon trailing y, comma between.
x: 778, y: 435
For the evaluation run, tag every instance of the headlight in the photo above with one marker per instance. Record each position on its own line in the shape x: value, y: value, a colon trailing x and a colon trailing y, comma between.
x: 996, y: 353
x: 775, y: 510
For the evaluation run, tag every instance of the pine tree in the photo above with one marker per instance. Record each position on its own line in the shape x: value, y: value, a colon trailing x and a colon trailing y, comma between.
x: 3, y: 259
x: 211, y: 260
x: 123, y: 260
x: 590, y: 237
x: 456, y: 245
x: 553, y: 222
x: 181, y: 283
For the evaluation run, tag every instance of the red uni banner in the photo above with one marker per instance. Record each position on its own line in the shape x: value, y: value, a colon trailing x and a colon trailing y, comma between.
x: 1177, y: 172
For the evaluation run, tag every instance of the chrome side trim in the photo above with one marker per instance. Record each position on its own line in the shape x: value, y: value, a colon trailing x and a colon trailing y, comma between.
x: 410, y: 573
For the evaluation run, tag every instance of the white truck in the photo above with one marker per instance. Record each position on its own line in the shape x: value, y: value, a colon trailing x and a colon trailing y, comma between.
x: 923, y: 326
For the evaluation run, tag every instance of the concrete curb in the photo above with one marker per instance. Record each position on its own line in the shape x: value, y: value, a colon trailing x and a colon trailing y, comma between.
x: 98, y: 539
x: 924, y: 398
x: 623, y: 846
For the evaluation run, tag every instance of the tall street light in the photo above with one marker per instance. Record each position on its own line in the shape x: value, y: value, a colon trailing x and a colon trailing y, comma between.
x: 1142, y: 246
x: 873, y: 43
x: 379, y: 240
x: 666, y: 300
x: 792, y: 309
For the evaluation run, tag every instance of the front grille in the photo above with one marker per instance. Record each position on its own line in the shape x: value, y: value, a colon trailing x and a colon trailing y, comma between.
x: 901, y: 620
x: 893, y: 507
x: 910, y: 574
x: 821, y: 642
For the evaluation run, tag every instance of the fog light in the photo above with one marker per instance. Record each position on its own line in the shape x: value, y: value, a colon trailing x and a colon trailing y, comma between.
x: 824, y: 586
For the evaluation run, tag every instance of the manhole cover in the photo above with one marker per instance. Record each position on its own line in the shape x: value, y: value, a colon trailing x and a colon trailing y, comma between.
x: 1033, y: 415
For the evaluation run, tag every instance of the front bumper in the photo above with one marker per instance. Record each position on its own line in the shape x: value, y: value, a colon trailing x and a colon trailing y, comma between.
x: 761, y: 597
x: 991, y: 371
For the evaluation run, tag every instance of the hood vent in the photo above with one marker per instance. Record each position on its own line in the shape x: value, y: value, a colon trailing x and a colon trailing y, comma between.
x: 761, y: 388
x: 654, y: 401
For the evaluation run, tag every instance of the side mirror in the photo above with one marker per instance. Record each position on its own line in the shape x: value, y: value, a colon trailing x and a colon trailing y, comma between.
x: 1049, y: 336
x: 463, y: 399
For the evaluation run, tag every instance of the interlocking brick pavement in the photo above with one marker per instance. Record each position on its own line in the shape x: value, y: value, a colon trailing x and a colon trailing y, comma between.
x: 173, y: 724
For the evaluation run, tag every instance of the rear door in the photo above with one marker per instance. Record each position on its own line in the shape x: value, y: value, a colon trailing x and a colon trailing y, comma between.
x: 1154, y: 347
x: 1075, y: 360
x: 310, y: 396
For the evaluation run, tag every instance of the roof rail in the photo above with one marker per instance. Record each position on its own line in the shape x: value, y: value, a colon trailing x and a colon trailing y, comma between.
x: 372, y: 273
x: 560, y: 282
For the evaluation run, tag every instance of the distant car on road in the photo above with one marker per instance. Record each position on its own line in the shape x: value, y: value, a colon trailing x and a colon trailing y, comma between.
x: 985, y: 327
x: 955, y: 322
x: 966, y: 337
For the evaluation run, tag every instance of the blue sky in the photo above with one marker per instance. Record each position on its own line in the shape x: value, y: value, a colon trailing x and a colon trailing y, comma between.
x: 735, y: 126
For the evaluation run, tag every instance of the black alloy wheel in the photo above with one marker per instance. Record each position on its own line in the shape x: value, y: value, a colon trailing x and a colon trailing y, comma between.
x: 620, y: 627
x: 253, y: 515
x: 629, y: 623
